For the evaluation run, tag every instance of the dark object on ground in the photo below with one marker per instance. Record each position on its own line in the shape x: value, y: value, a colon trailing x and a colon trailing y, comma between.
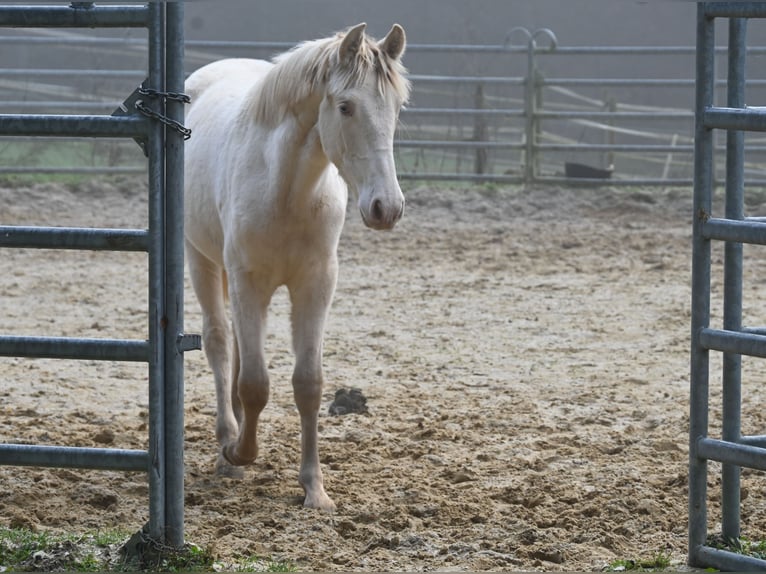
x: 580, y: 170
x: 348, y: 401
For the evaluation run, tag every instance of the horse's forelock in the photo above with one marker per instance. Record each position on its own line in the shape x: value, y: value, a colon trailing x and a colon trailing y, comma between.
x: 370, y: 59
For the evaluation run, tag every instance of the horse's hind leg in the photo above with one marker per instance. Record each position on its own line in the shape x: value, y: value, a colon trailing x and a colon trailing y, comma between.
x: 208, y: 282
x: 311, y: 300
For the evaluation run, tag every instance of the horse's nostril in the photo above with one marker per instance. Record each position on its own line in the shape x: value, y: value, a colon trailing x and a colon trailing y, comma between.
x: 377, y: 210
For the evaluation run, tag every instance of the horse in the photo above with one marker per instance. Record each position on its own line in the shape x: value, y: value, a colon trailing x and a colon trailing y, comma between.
x: 275, y: 148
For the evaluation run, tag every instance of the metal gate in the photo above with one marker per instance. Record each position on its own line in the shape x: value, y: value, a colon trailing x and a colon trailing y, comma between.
x: 155, y: 120
x: 734, y: 340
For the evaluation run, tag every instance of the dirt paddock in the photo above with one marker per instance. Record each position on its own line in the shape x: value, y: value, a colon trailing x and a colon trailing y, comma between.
x: 524, y: 354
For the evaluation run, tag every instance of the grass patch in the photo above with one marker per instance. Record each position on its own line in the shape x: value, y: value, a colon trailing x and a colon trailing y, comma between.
x: 22, y: 550
x: 660, y: 561
x: 754, y: 548
x: 26, y: 551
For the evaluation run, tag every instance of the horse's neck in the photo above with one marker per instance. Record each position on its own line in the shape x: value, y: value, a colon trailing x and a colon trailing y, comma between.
x: 301, y: 160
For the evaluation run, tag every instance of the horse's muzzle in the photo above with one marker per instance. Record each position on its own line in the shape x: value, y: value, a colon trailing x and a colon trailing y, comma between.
x: 382, y: 216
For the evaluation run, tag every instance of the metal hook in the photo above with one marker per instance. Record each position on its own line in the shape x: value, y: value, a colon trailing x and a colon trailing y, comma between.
x: 532, y: 37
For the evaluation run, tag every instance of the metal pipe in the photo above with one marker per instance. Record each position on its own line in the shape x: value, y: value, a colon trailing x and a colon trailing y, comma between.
x: 461, y: 111
x: 174, y: 274
x: 732, y: 453
x: 750, y: 119
x: 73, y: 457
x: 69, y: 17
x: 700, y: 304
x: 736, y: 342
x: 745, y: 231
x: 155, y: 148
x: 76, y: 72
x: 754, y: 440
x: 727, y: 561
x: 566, y: 115
x: 735, y: 10
x: 72, y: 126
x: 74, y: 348
x: 74, y: 238
x: 732, y: 288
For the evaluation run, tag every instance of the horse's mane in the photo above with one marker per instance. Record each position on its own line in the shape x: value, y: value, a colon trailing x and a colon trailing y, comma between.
x: 302, y: 70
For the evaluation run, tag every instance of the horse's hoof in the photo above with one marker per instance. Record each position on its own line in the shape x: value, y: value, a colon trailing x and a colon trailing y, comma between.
x: 320, y: 501
x: 229, y: 452
x: 224, y: 469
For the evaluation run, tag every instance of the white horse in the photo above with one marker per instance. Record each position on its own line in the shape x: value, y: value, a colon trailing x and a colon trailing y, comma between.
x: 273, y: 147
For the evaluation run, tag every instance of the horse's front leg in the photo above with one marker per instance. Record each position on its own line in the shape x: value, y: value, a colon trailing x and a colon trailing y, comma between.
x: 250, y: 303
x: 311, y: 300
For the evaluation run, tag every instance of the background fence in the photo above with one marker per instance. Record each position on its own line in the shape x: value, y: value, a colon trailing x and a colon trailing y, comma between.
x: 524, y: 110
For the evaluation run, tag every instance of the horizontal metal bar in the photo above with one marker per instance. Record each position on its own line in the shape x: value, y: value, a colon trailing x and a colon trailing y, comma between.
x: 725, y: 560
x: 673, y: 82
x: 510, y: 178
x: 75, y: 348
x: 669, y: 82
x: 461, y: 112
x: 74, y: 457
x: 69, y: 105
x: 615, y: 147
x: 743, y: 119
x: 501, y: 80
x: 734, y: 342
x: 754, y: 440
x: 73, y: 125
x: 735, y: 9
x: 739, y: 231
x: 71, y: 170
x: 74, y: 238
x: 731, y: 453
x: 615, y: 115
x: 456, y: 144
x: 68, y: 17
x: 411, y: 48
x: 614, y: 182
x: 76, y: 73
x: 460, y: 177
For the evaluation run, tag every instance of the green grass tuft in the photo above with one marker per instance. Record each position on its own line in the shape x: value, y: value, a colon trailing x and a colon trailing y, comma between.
x: 23, y: 550
x: 660, y: 561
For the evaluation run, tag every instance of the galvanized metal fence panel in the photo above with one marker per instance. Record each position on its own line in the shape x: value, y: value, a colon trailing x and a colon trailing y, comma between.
x: 733, y: 450
x: 163, y: 241
x: 520, y: 125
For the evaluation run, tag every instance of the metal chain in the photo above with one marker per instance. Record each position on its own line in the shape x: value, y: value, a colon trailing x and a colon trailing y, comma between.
x: 150, y: 113
x: 174, y: 96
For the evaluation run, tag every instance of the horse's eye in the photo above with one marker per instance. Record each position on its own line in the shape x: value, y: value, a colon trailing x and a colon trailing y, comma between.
x: 346, y: 109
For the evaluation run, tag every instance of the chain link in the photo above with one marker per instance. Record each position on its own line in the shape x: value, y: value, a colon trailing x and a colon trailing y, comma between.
x: 150, y: 113
x: 174, y: 96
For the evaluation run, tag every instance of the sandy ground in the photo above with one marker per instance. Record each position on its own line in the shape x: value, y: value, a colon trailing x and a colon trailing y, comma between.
x: 524, y: 354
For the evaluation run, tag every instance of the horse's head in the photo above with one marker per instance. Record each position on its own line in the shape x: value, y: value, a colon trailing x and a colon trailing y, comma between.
x: 365, y: 90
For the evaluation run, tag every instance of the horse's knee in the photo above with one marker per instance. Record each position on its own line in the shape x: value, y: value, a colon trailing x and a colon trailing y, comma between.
x: 253, y: 389
x: 216, y: 339
x: 307, y: 389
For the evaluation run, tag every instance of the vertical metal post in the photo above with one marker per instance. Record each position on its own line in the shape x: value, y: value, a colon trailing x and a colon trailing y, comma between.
x: 480, y: 132
x: 732, y: 294
x: 155, y: 150
x: 530, y: 110
x: 700, y: 304
x: 174, y: 273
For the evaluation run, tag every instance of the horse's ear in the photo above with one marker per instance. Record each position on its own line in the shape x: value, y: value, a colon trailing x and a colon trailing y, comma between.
x: 351, y: 43
x: 394, y: 43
